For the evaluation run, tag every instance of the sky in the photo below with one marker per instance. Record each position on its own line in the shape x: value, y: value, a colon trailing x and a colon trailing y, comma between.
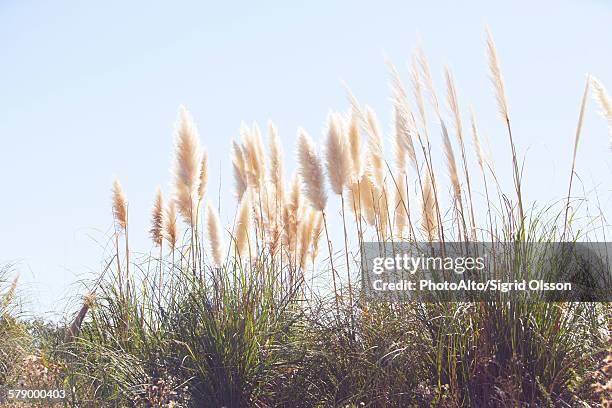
x: 90, y: 91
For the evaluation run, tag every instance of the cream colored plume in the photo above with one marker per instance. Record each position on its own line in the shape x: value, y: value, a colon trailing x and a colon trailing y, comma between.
x: 157, y: 219
x: 239, y: 166
x: 496, y: 77
x: 276, y: 165
x: 215, y: 235
x: 203, y: 176
x: 338, y: 155
x: 362, y: 197
x: 430, y: 222
x: 417, y: 87
x: 453, y: 103
x: 401, y: 206
x: 382, y: 212
x: 291, y: 212
x: 354, y: 140
x: 187, y: 166
x: 482, y: 160
x: 252, y: 150
x: 243, y: 224
x: 375, y: 154
x: 424, y: 64
x: 311, y: 171
x: 305, y: 236
x: 317, y: 231
x: 119, y: 206
x: 405, y: 128
x: 170, y: 227
x: 451, y: 163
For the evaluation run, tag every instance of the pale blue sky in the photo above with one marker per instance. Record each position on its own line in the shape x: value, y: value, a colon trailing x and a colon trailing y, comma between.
x: 90, y: 90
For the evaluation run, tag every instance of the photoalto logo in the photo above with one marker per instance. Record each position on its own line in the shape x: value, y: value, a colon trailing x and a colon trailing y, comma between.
x: 484, y: 271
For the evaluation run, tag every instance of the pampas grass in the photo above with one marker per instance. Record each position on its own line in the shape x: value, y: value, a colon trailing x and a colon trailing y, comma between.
x: 500, y: 95
x: 338, y: 156
x: 157, y: 219
x: 429, y: 220
x: 253, y: 332
x: 311, y: 171
x: 276, y: 165
x: 243, y: 224
x: 375, y: 153
x: 203, y: 176
x: 187, y: 167
x: 215, y: 235
x: 170, y: 231
x: 119, y: 206
x: 354, y: 141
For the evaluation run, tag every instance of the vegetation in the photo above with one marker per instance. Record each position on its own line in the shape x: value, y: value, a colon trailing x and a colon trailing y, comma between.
x: 268, y: 312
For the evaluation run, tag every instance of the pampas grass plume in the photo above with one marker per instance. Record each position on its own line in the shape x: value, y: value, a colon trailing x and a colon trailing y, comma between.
x: 215, y: 235
x: 243, y: 224
x: 496, y: 77
x: 203, y: 176
x: 157, y: 219
x: 338, y: 157
x: 276, y: 164
x: 430, y: 223
x: 354, y: 140
x: 119, y: 205
x: 170, y: 228
x: 311, y: 171
x: 187, y: 165
x: 239, y: 166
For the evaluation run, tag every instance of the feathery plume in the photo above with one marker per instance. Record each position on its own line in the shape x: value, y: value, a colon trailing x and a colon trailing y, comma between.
x: 603, y: 98
x: 453, y: 103
x: 362, y: 197
x: 424, y: 64
x: 7, y: 298
x: 305, y: 236
x: 157, y: 219
x: 290, y: 213
x: 119, y: 206
x: 375, y: 158
x: 430, y: 222
x: 401, y: 206
x: 405, y: 127
x: 242, y: 227
x: 311, y: 171
x: 496, y: 77
x: 476, y: 138
x: 451, y: 163
x: 215, y: 235
x: 276, y: 165
x: 417, y: 87
x: 338, y: 157
x: 354, y: 143
x: 170, y: 228
x: 317, y: 231
x: 239, y: 166
x: 253, y: 154
x: 382, y: 212
x: 203, y: 176
x: 186, y: 166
